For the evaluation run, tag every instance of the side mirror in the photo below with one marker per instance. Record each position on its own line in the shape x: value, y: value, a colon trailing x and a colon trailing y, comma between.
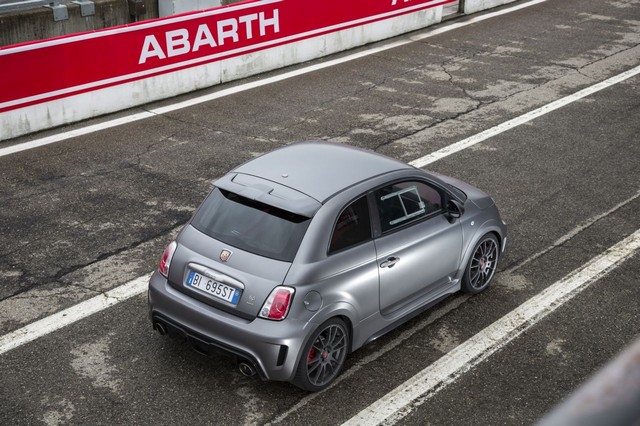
x: 454, y: 210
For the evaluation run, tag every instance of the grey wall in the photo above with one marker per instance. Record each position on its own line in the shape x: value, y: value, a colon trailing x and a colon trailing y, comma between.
x: 37, y: 23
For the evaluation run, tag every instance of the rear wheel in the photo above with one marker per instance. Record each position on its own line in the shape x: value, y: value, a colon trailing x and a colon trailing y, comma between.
x: 323, y: 356
x: 482, y: 265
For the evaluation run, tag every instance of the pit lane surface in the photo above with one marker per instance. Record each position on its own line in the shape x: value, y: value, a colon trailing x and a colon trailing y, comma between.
x: 93, y: 212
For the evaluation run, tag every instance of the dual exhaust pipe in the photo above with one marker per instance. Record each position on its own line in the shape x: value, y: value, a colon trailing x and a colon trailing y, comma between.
x: 245, y: 368
x: 160, y: 328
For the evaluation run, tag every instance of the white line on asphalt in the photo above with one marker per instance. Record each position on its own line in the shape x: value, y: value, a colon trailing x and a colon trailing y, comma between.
x: 507, y: 125
x: 447, y: 308
x: 399, y: 402
x: 75, y: 313
x: 138, y: 285
x: 42, y: 327
x: 248, y: 86
x: 25, y: 146
x: 575, y: 231
x: 432, y: 316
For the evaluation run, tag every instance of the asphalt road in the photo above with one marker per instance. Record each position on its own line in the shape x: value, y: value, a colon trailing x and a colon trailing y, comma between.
x: 91, y: 213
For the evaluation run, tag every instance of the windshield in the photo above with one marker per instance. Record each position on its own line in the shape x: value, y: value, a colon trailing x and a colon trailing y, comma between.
x: 250, y: 225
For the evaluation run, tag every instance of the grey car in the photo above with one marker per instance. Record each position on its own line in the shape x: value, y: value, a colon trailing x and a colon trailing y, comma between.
x: 307, y: 253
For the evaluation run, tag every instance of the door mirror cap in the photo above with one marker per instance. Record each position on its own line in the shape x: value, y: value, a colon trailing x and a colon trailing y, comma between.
x: 455, y: 209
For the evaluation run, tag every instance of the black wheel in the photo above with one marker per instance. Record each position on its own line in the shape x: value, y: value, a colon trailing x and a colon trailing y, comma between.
x: 323, y: 356
x: 482, y: 265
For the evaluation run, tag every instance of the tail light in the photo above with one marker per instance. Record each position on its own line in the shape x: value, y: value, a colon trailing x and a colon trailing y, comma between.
x: 277, y: 304
x: 165, y: 260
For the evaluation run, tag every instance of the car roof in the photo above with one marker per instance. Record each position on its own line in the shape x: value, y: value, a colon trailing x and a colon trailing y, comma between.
x: 320, y: 169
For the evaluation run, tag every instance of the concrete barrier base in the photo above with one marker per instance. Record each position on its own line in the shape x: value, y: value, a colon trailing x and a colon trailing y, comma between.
x: 473, y: 6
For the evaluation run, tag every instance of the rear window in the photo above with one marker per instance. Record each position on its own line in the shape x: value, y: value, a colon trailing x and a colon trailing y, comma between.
x: 250, y: 225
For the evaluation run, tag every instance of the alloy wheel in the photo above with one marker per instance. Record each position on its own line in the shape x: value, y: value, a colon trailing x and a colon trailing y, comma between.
x: 483, y: 263
x: 326, y: 355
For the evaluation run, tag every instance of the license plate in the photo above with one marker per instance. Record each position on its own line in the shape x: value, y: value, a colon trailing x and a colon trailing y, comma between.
x: 214, y: 288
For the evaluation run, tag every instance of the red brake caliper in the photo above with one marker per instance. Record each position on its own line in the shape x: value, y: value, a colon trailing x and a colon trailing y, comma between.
x: 312, y: 354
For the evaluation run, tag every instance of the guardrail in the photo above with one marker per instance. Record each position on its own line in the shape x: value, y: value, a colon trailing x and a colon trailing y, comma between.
x: 60, y: 12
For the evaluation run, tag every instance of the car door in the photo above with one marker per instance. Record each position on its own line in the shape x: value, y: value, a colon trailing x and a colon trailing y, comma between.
x: 418, y: 250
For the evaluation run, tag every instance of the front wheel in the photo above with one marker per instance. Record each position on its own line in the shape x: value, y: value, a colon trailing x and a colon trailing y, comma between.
x: 482, y: 265
x: 323, y: 356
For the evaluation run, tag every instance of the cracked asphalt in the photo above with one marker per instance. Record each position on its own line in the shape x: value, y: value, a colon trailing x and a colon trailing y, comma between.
x: 91, y: 213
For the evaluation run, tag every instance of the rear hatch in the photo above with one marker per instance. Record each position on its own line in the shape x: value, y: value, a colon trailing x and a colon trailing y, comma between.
x: 240, y: 244
x: 252, y: 276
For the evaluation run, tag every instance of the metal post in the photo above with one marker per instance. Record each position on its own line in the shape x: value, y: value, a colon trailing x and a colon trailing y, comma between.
x: 87, y: 7
x: 60, y: 12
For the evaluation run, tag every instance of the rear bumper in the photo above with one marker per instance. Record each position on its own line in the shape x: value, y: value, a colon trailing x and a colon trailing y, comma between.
x: 204, y: 344
x: 272, y: 347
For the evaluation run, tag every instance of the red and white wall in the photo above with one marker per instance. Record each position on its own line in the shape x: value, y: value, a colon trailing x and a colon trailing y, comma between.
x: 52, y: 82
x: 62, y: 80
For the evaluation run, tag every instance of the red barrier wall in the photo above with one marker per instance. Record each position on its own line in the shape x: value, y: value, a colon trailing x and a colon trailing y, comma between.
x: 36, y: 72
x: 62, y: 80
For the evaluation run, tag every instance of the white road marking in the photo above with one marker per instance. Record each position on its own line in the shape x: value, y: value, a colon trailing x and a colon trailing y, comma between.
x: 432, y: 316
x: 508, y: 125
x: 449, y: 306
x: 575, y: 231
x: 137, y: 286
x: 399, y: 402
x: 25, y: 146
x: 42, y: 327
x: 248, y: 86
x: 73, y: 314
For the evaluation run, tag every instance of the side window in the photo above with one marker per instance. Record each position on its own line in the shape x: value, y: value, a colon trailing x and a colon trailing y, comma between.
x: 402, y: 202
x: 353, y: 226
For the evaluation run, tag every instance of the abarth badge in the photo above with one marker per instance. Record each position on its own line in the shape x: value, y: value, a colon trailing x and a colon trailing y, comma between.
x: 225, y: 255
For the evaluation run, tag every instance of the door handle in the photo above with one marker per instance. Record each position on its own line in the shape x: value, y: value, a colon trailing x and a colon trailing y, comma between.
x: 390, y: 262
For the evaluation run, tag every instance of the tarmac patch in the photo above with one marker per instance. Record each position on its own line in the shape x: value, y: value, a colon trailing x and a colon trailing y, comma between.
x: 91, y: 360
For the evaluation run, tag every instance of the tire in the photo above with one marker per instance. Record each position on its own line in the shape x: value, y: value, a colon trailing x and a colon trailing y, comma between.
x: 323, y: 356
x: 482, y: 265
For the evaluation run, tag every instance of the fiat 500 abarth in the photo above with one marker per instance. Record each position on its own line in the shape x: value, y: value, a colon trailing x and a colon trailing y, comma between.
x: 305, y: 254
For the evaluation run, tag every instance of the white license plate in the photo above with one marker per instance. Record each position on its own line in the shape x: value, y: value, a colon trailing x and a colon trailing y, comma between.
x: 214, y: 288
